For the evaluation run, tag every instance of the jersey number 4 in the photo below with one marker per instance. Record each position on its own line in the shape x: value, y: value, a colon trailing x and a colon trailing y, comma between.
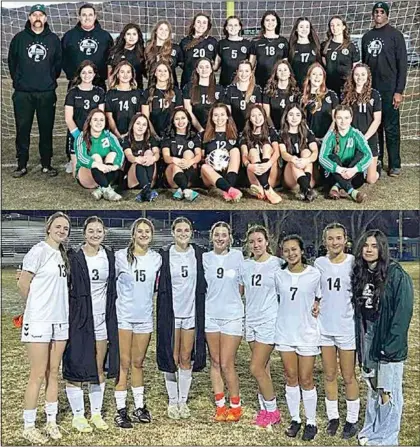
x: 334, y: 284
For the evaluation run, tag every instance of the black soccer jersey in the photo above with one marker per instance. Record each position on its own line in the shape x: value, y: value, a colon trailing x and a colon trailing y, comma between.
x: 258, y: 142
x: 176, y: 59
x: 268, y: 52
x: 219, y: 142
x: 205, y: 48
x: 123, y: 104
x: 278, y: 103
x: 236, y: 99
x: 138, y: 148
x: 179, y: 144
x: 83, y: 101
x: 339, y: 63
x: 201, y: 109
x: 160, y: 110
x: 320, y: 121
x: 304, y: 57
x: 130, y: 56
x: 231, y: 53
x: 295, y: 140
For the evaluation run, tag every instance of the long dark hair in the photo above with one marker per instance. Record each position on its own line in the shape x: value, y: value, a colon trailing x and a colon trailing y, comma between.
x: 77, y: 80
x: 195, y: 84
x: 191, y: 31
x: 225, y: 31
x: 303, y: 129
x: 350, y: 93
x: 152, y: 50
x: 360, y: 276
x: 249, y: 137
x: 210, y: 131
x: 169, y: 91
x: 299, y: 240
x: 172, y: 129
x: 313, y: 38
x: 86, y: 127
x: 270, y: 13
x: 147, y: 134
x: 346, y: 36
x: 118, y: 48
x: 273, y: 81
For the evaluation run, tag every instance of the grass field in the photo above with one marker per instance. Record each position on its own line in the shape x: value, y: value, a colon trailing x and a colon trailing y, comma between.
x: 199, y: 430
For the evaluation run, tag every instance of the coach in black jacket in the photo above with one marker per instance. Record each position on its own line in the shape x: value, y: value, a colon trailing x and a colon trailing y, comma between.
x: 34, y: 61
x: 166, y: 319
x: 87, y: 40
x: 384, y: 50
x: 79, y: 359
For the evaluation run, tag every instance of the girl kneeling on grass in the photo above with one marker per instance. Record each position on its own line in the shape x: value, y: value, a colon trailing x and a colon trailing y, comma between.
x: 299, y: 150
x: 98, y: 157
x: 345, y: 155
x: 141, y: 150
x: 221, y: 136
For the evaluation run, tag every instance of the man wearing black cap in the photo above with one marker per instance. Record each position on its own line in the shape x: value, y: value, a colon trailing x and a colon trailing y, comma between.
x: 384, y: 50
x: 35, y: 64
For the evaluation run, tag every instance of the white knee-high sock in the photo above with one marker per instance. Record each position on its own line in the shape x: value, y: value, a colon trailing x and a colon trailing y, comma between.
x: 120, y: 399
x: 293, y: 402
x: 332, y: 409
x: 185, y: 379
x: 310, y: 399
x: 29, y: 418
x: 96, y: 397
x: 353, y: 408
x: 75, y: 397
x: 138, y: 395
x: 171, y: 387
x: 51, y: 410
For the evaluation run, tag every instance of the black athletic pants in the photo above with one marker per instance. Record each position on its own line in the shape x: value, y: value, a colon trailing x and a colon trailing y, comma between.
x: 390, y: 125
x: 25, y: 105
x: 355, y: 182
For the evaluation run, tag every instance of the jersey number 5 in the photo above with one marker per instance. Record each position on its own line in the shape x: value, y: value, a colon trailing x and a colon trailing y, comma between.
x: 184, y: 271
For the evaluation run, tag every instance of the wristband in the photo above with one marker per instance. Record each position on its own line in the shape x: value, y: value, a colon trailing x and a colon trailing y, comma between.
x: 75, y: 132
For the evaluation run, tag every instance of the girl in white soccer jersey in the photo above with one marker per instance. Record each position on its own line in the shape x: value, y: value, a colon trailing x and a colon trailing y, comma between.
x: 336, y: 322
x: 223, y: 269
x: 180, y: 316
x: 260, y: 318
x: 136, y: 267
x: 43, y: 282
x: 93, y: 329
x: 297, y: 333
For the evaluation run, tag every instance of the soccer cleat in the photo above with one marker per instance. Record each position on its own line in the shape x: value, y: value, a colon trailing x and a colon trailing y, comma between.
x: 332, y: 426
x: 139, y: 197
x: 150, y: 195
x: 349, y: 430
x: 379, y: 168
x: 98, y: 422
x: 310, y: 432
x: 81, y: 424
x: 173, y: 412
x: 260, y: 418
x: 190, y: 195
x: 97, y: 194
x: 221, y: 413
x: 343, y: 194
x: 34, y: 436
x: 358, y: 196
x: 272, y: 196
x: 235, y: 194
x: 50, y: 171
x: 363, y: 441
x: 272, y: 418
x: 52, y: 431
x: 234, y: 414
x: 334, y: 193
x: 311, y: 195
x: 178, y: 194
x: 142, y: 415
x: 257, y: 191
x: 184, y: 411
x: 19, y: 172
x: 394, y: 172
x: 293, y: 429
x: 227, y: 196
x: 122, y: 419
x: 69, y: 167
x: 110, y: 194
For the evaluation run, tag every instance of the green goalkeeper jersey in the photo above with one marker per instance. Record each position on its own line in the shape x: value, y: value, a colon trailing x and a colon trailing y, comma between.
x: 354, y: 141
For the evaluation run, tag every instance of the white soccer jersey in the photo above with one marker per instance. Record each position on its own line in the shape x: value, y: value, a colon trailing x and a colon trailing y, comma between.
x: 260, y: 289
x: 295, y: 324
x: 98, y: 268
x: 48, y: 298
x: 224, y: 276
x: 336, y: 315
x: 135, y: 285
x: 183, y: 267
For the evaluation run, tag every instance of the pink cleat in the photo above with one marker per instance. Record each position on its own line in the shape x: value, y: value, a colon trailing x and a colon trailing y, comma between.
x: 272, y: 417
x: 235, y: 194
x: 260, y: 418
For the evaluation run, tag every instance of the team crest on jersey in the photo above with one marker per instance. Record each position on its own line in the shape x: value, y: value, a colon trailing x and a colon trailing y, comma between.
x: 345, y: 51
x: 95, y: 98
x: 105, y: 142
x: 243, y: 49
x: 134, y: 100
x: 191, y: 144
x: 210, y: 47
x: 350, y: 143
x: 291, y: 98
x: 253, y: 98
x: 371, y: 102
x: 313, y: 52
x: 88, y: 46
x: 173, y: 53
x: 328, y: 99
x: 281, y: 46
x: 232, y: 142
x: 375, y: 47
x: 37, y: 52
x: 217, y: 95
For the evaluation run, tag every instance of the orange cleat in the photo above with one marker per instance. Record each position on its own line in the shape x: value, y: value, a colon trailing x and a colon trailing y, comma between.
x: 221, y: 413
x: 234, y: 414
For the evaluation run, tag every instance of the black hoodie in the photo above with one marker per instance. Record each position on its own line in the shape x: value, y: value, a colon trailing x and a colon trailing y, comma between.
x: 35, y: 60
x: 79, y: 45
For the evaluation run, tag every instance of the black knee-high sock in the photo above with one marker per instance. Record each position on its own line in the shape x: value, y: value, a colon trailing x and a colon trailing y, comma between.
x: 231, y: 178
x: 112, y: 177
x: 309, y: 175
x: 181, y: 180
x: 303, y: 182
x: 222, y: 184
x: 263, y: 178
x: 99, y: 177
x: 142, y: 175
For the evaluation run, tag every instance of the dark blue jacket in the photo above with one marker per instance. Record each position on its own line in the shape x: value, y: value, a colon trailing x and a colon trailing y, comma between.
x: 79, y: 359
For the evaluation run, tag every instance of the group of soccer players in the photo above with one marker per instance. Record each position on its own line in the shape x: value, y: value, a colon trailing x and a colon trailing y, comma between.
x: 86, y: 302
x: 274, y: 110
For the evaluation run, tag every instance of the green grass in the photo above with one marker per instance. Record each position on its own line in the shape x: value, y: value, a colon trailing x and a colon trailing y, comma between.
x: 199, y: 430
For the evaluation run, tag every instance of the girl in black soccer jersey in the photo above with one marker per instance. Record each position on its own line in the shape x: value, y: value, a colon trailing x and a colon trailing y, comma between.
x: 161, y: 98
x: 142, y: 153
x: 201, y: 93
x: 161, y: 48
x: 82, y: 97
x: 304, y: 48
x: 339, y: 54
x: 299, y: 150
x: 123, y: 100
x: 281, y: 90
x: 220, y: 137
x: 242, y: 93
x: 366, y: 103
x: 231, y: 51
x: 181, y: 151
x: 268, y: 47
x: 318, y: 102
x: 260, y: 152
x: 129, y: 47
x: 196, y: 45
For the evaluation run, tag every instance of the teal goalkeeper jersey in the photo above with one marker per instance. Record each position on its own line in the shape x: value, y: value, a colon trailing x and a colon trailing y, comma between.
x: 353, y: 141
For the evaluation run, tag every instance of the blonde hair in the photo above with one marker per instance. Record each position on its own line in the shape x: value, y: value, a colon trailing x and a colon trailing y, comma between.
x: 132, y: 244
x: 221, y: 224
x: 61, y: 247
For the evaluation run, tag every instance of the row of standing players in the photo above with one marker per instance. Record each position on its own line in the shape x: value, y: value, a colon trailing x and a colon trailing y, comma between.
x: 85, y: 303
x: 389, y: 64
